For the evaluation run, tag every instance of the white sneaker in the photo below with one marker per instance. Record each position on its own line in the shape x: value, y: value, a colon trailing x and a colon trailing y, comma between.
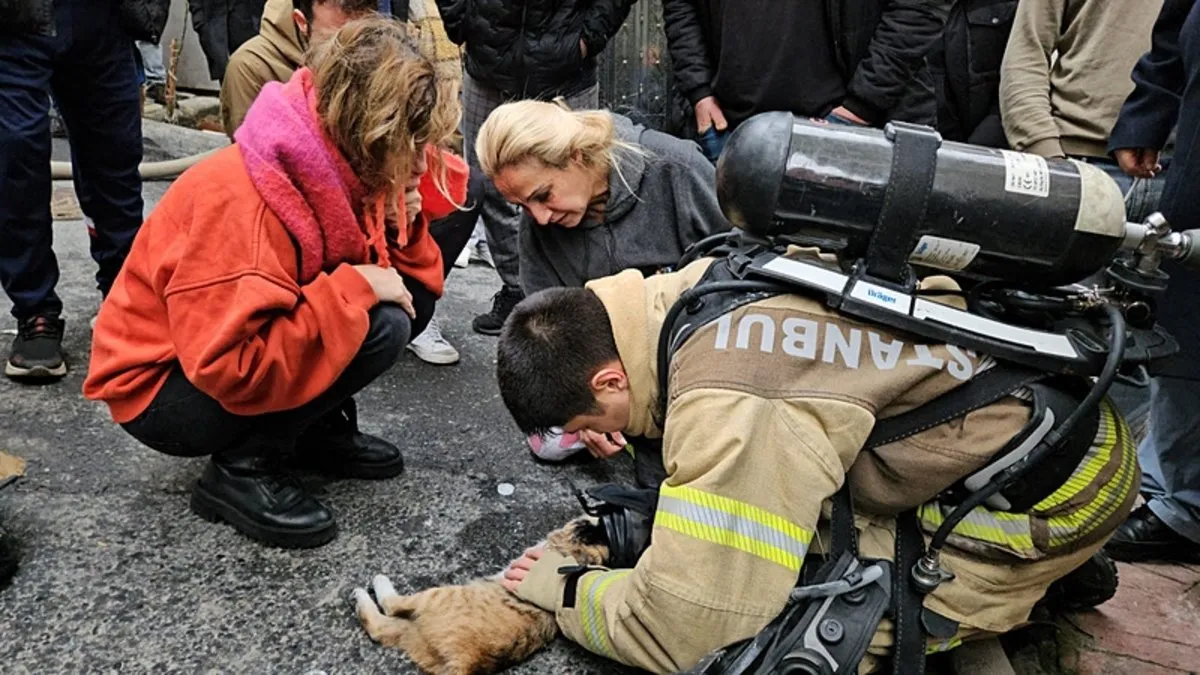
x: 431, y: 347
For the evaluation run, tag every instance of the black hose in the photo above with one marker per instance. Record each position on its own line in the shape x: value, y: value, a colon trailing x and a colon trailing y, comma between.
x: 1050, y: 443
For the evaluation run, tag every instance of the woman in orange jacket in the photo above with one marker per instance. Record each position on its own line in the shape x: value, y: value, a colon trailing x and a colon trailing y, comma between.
x: 280, y: 277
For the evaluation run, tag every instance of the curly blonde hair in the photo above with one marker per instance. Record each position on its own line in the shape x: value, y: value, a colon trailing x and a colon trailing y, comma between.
x: 381, y: 102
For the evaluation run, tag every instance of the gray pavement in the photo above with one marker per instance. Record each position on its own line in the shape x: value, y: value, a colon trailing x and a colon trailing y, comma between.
x: 118, y: 575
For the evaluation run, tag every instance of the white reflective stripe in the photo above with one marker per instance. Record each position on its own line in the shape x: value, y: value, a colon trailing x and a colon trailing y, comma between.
x: 1047, y: 343
x: 748, y: 530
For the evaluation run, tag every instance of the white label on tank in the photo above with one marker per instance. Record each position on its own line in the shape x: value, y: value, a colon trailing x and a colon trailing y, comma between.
x: 944, y: 254
x: 1026, y: 174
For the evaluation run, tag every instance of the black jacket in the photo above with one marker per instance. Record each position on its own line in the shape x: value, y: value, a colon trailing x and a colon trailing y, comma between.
x: 141, y: 19
x: 531, y: 49
x: 20, y: 17
x: 881, y: 49
x: 966, y: 71
x: 1167, y: 91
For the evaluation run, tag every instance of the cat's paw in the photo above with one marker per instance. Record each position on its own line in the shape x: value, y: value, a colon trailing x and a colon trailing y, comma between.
x: 362, y: 601
x: 383, y: 587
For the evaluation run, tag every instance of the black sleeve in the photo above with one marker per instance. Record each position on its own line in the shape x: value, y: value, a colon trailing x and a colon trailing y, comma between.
x: 907, y: 32
x: 603, y: 22
x: 1151, y: 110
x: 688, y: 48
x: 454, y: 14
x: 990, y: 131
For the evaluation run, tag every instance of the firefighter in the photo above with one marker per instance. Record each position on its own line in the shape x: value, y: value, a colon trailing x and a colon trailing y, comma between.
x: 766, y: 414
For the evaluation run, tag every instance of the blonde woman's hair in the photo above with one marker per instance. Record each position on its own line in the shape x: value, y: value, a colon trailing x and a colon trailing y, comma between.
x: 549, y: 133
x: 380, y: 101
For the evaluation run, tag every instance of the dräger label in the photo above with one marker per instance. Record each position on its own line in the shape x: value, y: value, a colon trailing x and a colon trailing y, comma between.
x: 944, y: 254
x: 1026, y: 174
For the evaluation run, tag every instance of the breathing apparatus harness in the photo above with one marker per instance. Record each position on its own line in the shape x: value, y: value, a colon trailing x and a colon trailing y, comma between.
x: 785, y: 181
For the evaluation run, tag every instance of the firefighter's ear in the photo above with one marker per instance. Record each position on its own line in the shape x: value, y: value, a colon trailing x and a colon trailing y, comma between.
x: 610, y: 378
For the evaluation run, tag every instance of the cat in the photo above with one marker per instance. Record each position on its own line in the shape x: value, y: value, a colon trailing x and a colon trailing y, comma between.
x: 474, y: 628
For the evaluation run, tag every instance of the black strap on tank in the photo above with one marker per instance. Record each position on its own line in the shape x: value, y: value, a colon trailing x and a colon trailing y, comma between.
x: 908, y: 652
x: 699, y: 313
x: 980, y: 391
x: 843, y: 535
x: 914, y: 162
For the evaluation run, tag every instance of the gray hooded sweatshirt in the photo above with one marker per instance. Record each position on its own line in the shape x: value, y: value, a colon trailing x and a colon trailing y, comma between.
x: 673, y: 204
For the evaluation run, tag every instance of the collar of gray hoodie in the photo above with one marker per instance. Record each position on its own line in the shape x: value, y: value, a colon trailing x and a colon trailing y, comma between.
x: 624, y: 182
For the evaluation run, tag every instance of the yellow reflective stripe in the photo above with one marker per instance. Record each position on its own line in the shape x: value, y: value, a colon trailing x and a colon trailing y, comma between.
x: 734, y: 524
x: 1070, y: 527
x: 943, y: 646
x: 1011, y: 530
x: 595, y: 627
x: 1097, y: 457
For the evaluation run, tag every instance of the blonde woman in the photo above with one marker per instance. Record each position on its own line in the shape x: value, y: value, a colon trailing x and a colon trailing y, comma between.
x: 280, y: 277
x: 600, y: 194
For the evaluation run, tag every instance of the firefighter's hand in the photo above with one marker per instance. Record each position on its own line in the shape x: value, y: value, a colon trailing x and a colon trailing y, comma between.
x: 1139, y: 162
x: 709, y: 114
x: 602, y: 446
x: 519, y: 569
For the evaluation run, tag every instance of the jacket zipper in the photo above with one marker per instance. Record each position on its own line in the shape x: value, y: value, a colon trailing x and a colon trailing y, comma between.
x: 835, y: 32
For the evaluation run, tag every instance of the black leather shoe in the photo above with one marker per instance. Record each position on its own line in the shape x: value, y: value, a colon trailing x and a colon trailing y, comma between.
x: 333, y: 446
x: 1090, y: 585
x: 1143, y: 536
x: 262, y: 503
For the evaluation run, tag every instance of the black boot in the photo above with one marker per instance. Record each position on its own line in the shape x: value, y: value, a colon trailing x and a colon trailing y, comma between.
x: 1143, y: 536
x: 502, y: 305
x: 334, y: 446
x: 1090, y: 585
x: 256, y: 498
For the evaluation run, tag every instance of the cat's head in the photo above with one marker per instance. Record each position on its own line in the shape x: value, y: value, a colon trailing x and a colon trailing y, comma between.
x: 583, y: 539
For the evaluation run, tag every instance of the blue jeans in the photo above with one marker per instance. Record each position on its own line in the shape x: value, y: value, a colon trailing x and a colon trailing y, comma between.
x: 1142, y: 195
x: 1170, y: 455
x: 89, y: 67
x: 712, y: 143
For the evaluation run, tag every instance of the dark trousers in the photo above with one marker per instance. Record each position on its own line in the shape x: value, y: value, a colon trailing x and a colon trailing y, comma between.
x: 89, y: 67
x: 185, y: 422
x: 221, y: 27
x: 451, y: 234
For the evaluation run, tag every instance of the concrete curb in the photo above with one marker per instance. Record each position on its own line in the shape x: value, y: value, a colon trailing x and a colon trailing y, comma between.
x: 164, y: 141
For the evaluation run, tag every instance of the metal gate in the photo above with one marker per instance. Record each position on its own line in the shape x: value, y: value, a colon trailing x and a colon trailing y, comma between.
x: 635, y: 70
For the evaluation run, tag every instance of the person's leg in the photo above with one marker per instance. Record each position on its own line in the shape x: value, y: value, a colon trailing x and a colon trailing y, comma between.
x: 501, y: 220
x: 152, y: 62
x: 451, y: 234
x: 246, y: 484
x: 1167, y: 527
x: 210, y: 23
x: 28, y: 268
x: 156, y: 72
x: 326, y: 429
x: 95, y: 85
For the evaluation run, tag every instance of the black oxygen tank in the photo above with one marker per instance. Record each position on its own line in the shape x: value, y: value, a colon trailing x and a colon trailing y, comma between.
x: 992, y: 214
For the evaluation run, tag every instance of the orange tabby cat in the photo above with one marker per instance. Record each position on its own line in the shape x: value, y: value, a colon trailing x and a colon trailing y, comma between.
x: 476, y: 628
